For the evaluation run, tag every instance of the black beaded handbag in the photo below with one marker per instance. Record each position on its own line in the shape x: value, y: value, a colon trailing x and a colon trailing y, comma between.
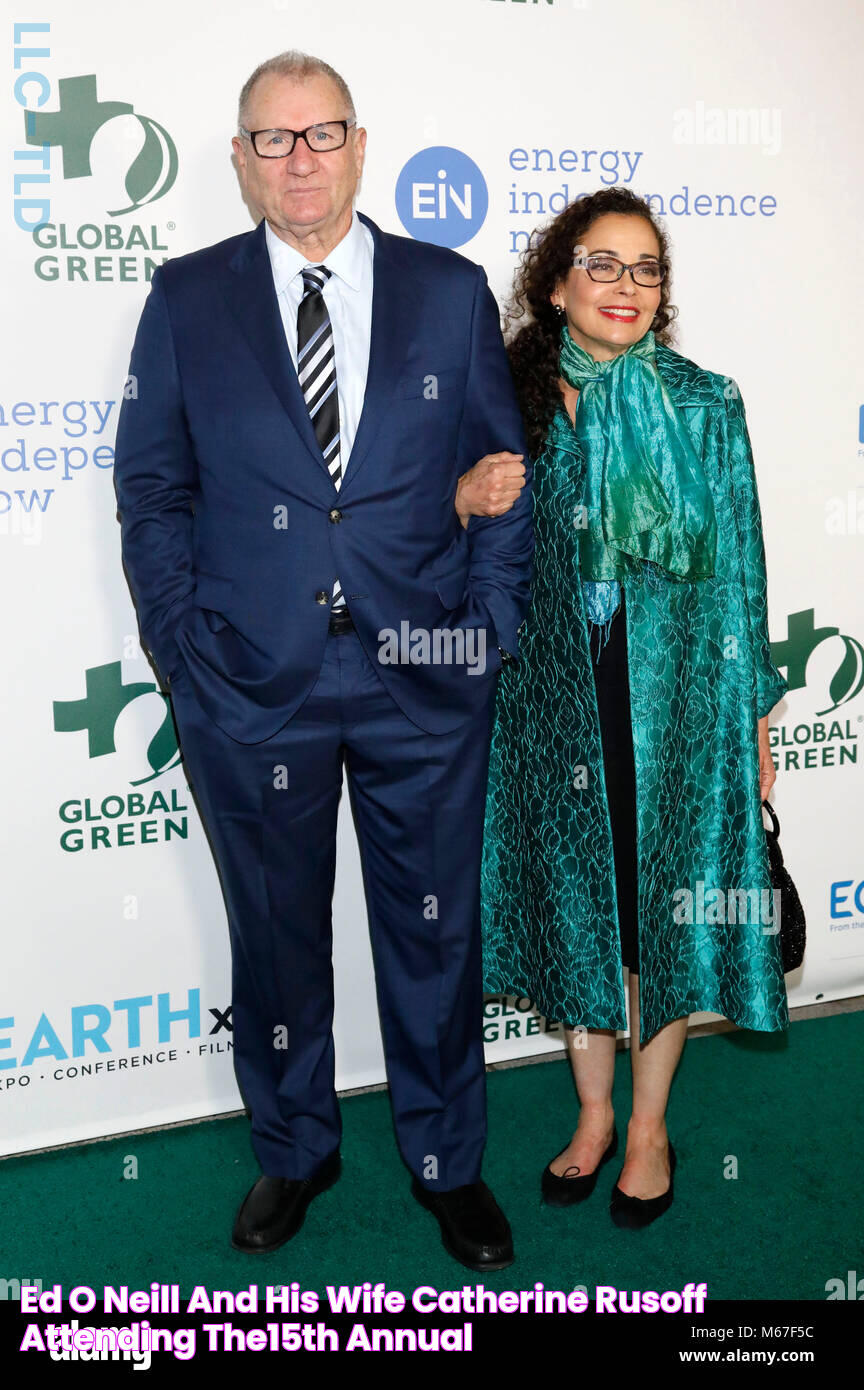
x: 793, y: 926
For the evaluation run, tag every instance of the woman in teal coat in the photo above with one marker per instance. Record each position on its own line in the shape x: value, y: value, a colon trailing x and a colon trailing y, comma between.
x: 630, y: 751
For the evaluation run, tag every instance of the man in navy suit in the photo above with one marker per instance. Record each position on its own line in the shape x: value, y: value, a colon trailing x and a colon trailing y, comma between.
x: 309, y: 395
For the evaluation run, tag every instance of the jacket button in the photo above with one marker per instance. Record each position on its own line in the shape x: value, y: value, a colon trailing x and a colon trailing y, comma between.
x: 322, y: 596
x: 335, y: 514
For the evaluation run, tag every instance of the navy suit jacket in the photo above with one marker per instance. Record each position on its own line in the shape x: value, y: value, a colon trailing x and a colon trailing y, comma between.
x: 233, y: 530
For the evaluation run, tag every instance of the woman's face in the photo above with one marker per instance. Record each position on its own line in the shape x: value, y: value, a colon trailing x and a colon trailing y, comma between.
x: 606, y: 318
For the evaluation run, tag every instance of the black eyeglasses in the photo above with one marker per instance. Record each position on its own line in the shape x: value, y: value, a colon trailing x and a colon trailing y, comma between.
x: 606, y: 269
x: 276, y: 144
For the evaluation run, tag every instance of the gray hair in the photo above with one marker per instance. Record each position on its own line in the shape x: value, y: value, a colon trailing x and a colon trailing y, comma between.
x: 300, y: 66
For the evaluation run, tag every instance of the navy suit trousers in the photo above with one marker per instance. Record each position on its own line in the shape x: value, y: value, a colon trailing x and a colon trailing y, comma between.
x: 270, y: 811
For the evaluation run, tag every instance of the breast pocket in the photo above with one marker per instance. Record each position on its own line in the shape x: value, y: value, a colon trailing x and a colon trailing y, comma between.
x: 416, y: 381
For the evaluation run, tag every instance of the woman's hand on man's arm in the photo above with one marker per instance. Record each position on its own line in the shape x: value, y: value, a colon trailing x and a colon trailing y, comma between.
x: 491, y: 487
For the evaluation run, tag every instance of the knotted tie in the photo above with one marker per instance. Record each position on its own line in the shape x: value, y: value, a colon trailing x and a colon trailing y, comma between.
x: 316, y: 372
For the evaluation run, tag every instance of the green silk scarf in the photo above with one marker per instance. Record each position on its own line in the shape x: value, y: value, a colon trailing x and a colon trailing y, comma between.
x: 646, y: 495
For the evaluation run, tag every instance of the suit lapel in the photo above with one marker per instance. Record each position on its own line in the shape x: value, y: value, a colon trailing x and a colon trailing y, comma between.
x: 251, y: 294
x: 392, y: 330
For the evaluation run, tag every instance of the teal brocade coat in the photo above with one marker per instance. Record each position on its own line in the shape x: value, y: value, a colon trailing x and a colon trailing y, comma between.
x: 700, y: 677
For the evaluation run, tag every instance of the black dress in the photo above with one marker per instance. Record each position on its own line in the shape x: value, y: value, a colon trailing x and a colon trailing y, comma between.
x: 612, y: 684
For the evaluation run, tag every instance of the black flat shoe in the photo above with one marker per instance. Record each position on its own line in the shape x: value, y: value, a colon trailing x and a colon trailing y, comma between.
x: 560, y: 1191
x: 274, y: 1209
x: 474, y: 1229
x: 633, y: 1212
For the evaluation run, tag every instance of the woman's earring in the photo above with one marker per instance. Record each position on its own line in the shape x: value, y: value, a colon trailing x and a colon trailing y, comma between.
x: 559, y: 310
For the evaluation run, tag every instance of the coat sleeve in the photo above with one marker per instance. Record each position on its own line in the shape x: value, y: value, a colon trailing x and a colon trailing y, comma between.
x: 501, y: 547
x: 770, y: 685
x: 155, y: 477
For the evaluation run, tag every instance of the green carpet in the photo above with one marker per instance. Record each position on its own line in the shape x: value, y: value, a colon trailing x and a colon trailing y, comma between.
x: 787, y: 1107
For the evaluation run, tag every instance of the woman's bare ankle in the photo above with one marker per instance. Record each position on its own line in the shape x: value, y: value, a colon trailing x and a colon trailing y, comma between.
x: 596, y: 1115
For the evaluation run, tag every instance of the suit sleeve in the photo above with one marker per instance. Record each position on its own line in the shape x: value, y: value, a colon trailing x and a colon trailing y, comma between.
x: 155, y: 477
x: 501, y: 548
x: 770, y: 685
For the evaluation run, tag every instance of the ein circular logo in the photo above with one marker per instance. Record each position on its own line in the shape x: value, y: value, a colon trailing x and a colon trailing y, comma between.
x: 441, y: 196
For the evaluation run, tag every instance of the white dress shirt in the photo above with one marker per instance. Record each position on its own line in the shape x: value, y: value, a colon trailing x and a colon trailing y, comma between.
x: 348, y: 296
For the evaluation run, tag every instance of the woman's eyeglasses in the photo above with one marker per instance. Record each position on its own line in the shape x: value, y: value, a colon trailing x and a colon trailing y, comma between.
x: 606, y: 269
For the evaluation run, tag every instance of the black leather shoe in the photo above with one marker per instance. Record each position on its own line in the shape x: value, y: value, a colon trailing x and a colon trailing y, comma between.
x: 274, y: 1209
x: 560, y: 1191
x: 634, y: 1212
x: 474, y: 1229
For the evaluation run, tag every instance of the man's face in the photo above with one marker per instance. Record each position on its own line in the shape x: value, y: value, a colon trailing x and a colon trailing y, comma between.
x: 306, y: 192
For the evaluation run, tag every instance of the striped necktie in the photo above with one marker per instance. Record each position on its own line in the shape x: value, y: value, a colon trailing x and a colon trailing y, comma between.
x: 316, y: 371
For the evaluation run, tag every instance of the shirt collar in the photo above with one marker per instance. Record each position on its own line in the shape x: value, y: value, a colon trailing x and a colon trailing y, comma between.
x: 349, y: 259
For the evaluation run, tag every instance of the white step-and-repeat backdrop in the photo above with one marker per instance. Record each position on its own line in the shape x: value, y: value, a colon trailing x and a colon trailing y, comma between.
x: 484, y: 116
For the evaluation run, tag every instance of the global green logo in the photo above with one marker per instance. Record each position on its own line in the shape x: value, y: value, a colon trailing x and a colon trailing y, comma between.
x: 97, y: 714
x: 74, y: 125
x: 794, y: 652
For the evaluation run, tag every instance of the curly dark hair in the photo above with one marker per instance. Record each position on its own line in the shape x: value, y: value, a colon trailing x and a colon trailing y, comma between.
x: 533, y: 347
